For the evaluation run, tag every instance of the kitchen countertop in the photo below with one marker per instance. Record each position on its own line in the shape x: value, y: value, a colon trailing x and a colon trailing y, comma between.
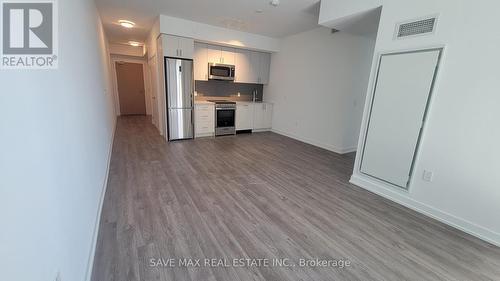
x: 202, y: 102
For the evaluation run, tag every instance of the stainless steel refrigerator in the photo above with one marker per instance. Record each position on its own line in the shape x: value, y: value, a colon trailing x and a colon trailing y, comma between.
x: 179, y: 86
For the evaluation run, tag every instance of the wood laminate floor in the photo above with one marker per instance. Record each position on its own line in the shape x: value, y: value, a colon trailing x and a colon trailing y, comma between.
x: 263, y: 196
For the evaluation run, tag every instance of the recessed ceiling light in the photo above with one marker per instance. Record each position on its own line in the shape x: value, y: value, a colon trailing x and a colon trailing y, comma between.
x: 126, y: 23
x: 134, y: 43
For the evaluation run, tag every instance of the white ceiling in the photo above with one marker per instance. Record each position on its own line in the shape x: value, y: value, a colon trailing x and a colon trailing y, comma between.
x: 290, y: 17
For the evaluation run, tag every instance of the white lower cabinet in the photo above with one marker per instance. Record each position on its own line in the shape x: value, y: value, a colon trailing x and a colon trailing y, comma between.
x: 204, y: 120
x: 244, y: 116
x: 263, y: 116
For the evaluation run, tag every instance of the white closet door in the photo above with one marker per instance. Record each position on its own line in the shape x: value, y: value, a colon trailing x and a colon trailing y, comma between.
x: 399, y: 104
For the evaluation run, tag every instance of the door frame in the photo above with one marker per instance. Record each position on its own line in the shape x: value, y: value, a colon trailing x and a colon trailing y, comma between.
x: 145, y: 73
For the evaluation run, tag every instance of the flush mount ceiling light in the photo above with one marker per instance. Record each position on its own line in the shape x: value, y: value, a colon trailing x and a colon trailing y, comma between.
x: 259, y: 11
x: 126, y: 23
x: 274, y: 3
x: 134, y: 43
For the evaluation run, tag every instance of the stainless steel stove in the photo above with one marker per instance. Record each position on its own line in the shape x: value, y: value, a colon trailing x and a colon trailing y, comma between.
x: 225, y: 117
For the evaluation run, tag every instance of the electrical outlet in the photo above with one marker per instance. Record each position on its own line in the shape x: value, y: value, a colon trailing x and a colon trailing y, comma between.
x: 428, y: 176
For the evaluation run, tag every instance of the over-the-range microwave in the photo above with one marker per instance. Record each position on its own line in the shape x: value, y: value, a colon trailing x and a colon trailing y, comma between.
x: 217, y: 71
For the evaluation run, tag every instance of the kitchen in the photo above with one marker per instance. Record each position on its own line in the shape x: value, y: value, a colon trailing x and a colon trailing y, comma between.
x: 227, y: 97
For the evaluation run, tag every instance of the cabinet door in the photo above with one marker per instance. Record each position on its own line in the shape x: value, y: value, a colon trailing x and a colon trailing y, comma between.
x: 243, y: 66
x: 186, y: 47
x: 204, y: 122
x: 245, y: 69
x: 264, y: 65
x: 200, y: 62
x: 244, y: 116
x: 258, y: 117
x: 268, y: 116
x: 262, y: 116
x: 227, y: 55
x: 254, y: 73
x: 214, y: 54
x: 170, y: 46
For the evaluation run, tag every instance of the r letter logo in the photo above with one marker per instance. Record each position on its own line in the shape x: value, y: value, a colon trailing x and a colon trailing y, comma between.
x: 29, y: 35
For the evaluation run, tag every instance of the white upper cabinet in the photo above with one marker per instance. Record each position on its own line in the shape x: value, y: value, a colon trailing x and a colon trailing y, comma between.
x: 260, y: 63
x: 186, y: 47
x: 170, y: 46
x: 251, y: 67
x: 264, y: 66
x: 214, y: 54
x: 177, y: 47
x: 227, y: 55
x: 200, y: 61
x: 222, y: 55
x: 245, y: 70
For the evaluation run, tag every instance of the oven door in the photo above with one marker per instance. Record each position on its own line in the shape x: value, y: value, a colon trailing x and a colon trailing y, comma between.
x: 225, y: 117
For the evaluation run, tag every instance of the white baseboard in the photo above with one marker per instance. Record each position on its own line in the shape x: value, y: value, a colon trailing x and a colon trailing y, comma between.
x: 403, y: 199
x: 260, y: 130
x: 339, y: 150
x: 90, y: 264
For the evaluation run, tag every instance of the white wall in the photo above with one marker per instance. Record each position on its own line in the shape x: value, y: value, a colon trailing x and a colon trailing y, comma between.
x: 217, y: 35
x: 155, y: 83
x: 334, y: 13
x: 126, y: 50
x: 151, y: 40
x: 56, y: 128
x: 318, y: 85
x: 460, y: 139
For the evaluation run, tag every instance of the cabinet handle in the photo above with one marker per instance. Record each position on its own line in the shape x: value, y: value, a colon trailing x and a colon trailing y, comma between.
x: 181, y: 52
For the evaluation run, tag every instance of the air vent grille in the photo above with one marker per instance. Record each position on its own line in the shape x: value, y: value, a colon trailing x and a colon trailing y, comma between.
x: 416, y: 27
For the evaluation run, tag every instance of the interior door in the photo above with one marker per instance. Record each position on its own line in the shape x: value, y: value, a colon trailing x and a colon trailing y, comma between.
x: 402, y: 92
x: 131, y: 91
